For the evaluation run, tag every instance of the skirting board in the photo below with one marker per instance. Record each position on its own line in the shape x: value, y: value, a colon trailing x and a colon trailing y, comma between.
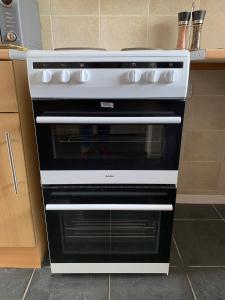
x: 200, y: 199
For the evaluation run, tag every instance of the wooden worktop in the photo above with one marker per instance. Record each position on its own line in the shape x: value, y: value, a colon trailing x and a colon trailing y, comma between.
x: 214, y: 59
x: 215, y: 55
x: 4, y: 54
x: 211, y: 59
x: 12, y: 54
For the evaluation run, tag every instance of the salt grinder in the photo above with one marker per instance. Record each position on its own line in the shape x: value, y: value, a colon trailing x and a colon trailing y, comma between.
x: 183, y: 23
x: 198, y: 17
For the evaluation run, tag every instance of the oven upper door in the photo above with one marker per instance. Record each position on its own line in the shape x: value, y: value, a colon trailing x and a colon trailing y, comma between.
x: 118, y: 135
x: 109, y: 223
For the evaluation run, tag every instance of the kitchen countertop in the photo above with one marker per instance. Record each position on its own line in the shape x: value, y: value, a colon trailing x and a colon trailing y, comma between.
x: 208, y: 59
x: 10, y: 54
x: 4, y: 54
x: 202, y: 59
x: 213, y: 56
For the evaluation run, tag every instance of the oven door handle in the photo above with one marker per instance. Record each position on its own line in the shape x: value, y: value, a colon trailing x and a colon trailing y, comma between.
x: 128, y: 207
x: 107, y: 120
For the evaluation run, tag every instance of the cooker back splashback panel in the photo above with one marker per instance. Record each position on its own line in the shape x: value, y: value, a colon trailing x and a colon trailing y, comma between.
x: 108, y: 75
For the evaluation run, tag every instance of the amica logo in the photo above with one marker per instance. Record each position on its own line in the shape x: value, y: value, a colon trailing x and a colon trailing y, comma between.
x: 109, y: 176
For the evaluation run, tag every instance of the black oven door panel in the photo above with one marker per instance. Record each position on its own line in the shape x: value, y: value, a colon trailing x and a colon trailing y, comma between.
x: 95, y: 144
x: 130, y: 224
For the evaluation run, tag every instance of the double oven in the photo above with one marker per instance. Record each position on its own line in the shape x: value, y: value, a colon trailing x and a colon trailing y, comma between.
x: 109, y: 172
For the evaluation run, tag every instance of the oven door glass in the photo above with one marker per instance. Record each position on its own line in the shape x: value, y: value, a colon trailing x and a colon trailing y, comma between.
x: 114, y: 146
x: 104, y: 142
x: 110, y: 233
x: 78, y: 232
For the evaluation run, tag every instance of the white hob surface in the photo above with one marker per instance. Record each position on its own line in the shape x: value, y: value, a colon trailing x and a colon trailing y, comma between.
x: 84, y: 74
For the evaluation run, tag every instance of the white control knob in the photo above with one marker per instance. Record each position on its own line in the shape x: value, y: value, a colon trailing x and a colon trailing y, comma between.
x: 65, y: 76
x: 133, y: 76
x: 83, y: 76
x: 46, y: 76
x: 170, y: 76
x: 152, y: 76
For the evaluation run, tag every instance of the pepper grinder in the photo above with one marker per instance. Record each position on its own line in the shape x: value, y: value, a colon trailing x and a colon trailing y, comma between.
x: 183, y: 25
x: 198, y: 17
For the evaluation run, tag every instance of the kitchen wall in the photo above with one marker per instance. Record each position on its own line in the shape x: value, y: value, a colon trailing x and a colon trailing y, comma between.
x: 114, y: 24
x: 202, y: 164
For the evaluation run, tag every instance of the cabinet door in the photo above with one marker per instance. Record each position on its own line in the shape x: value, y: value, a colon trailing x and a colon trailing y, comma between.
x: 8, y: 101
x: 16, y: 225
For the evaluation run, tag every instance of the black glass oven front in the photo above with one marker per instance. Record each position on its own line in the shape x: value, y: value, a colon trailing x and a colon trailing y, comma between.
x: 83, y: 235
x: 108, y: 146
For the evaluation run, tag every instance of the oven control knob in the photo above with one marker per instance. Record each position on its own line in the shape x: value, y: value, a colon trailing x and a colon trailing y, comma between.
x: 46, y: 76
x: 83, y: 76
x: 170, y: 76
x: 133, y: 76
x: 65, y: 76
x: 152, y: 76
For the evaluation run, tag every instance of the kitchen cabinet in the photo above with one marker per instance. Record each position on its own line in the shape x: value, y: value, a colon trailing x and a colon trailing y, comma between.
x: 8, y: 101
x: 16, y: 227
x: 22, y: 226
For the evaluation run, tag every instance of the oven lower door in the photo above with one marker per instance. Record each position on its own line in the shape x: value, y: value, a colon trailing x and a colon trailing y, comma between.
x: 109, y: 229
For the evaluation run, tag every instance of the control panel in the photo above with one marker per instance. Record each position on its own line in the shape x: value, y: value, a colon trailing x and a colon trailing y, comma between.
x: 77, y: 78
x: 132, y: 76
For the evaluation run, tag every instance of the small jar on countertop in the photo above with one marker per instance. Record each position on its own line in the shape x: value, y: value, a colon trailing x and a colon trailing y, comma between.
x: 198, y: 18
x: 183, y: 23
